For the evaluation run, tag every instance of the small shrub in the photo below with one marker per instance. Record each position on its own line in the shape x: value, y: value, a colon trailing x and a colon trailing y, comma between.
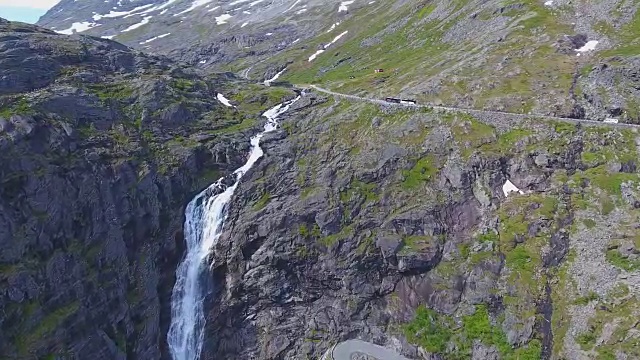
x: 619, y: 261
x: 584, y: 300
x: 429, y: 330
x: 607, y: 206
x: 422, y: 171
x: 586, y: 340
x: 262, y: 202
x: 589, y: 223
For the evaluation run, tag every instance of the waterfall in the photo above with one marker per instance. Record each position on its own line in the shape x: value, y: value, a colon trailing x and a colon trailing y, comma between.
x: 205, y: 216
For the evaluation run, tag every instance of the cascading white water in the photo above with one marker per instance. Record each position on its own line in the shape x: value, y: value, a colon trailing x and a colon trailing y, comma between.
x: 205, y: 216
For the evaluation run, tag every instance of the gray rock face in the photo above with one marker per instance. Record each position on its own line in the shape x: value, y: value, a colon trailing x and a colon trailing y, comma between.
x: 91, y: 205
x: 482, y: 352
x: 610, y: 89
x: 322, y: 262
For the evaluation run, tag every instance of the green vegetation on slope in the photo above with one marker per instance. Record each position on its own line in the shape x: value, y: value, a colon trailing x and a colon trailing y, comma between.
x: 437, y: 334
x: 425, y: 44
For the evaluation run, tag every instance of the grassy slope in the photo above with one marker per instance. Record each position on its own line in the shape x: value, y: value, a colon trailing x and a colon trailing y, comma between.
x: 499, y: 55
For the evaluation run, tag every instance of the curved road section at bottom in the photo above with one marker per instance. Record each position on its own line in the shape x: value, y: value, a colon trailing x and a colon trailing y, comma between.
x: 345, y: 350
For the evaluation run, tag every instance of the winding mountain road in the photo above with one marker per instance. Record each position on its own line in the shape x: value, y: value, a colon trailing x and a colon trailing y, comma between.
x: 469, y: 111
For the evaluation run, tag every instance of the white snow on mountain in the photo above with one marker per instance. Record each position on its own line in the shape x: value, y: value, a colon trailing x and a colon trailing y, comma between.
x: 116, y: 14
x: 344, y: 6
x: 222, y: 19
x: 589, y: 46
x: 224, y: 100
x: 274, y: 78
x: 333, y: 27
x: 78, y: 27
x: 315, y: 55
x: 155, y: 38
x: 143, y: 22
x: 292, y: 6
x: 194, y: 5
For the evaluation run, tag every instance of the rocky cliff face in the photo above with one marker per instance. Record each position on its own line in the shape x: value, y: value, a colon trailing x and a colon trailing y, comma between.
x: 101, y: 147
x: 394, y: 227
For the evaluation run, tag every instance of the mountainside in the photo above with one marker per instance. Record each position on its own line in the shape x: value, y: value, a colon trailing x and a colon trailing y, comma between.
x: 101, y: 147
x: 439, y: 231
x: 575, y: 59
x: 442, y: 235
x: 200, y: 32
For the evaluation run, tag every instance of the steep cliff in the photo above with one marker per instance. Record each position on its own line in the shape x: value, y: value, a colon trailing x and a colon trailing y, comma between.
x: 101, y: 147
x: 397, y: 227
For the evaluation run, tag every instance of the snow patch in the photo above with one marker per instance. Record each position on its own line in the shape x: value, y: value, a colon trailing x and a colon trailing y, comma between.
x: 222, y: 19
x: 589, y: 46
x: 333, y: 27
x: 274, y: 78
x: 344, y: 6
x: 336, y: 39
x: 116, y: 14
x: 78, y: 27
x: 224, y: 100
x: 245, y: 24
x: 166, y: 4
x: 143, y: 22
x: 292, y: 6
x: 195, y: 4
x: 314, y: 56
x: 155, y: 38
x: 548, y: 3
x: 508, y: 188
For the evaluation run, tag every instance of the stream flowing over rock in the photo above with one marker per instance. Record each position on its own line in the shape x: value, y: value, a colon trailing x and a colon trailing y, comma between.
x: 205, y: 216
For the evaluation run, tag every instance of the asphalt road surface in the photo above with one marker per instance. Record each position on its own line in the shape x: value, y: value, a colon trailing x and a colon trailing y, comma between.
x: 346, y: 349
